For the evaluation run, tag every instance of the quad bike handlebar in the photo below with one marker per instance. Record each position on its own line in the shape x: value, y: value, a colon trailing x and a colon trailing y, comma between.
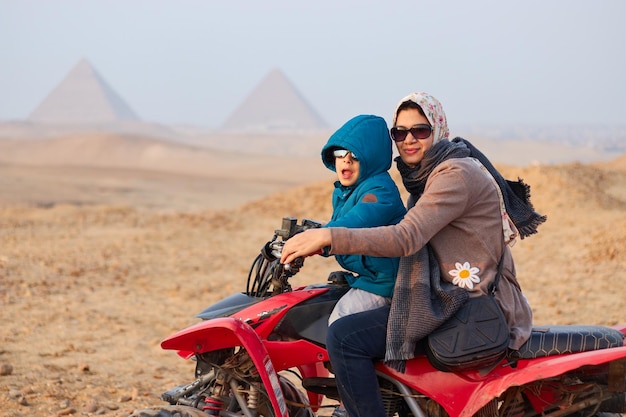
x: 267, y: 275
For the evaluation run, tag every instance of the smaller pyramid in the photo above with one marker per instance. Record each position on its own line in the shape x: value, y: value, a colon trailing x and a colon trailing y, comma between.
x: 274, y: 105
x: 85, y: 98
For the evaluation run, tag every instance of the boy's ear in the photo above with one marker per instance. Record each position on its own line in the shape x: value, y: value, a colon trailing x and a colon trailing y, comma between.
x: 329, y: 158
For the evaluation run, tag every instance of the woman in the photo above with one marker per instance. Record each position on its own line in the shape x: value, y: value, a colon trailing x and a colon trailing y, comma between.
x: 456, y: 227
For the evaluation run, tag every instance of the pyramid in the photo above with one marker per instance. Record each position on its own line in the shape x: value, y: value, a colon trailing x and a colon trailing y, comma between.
x: 85, y: 98
x: 274, y: 105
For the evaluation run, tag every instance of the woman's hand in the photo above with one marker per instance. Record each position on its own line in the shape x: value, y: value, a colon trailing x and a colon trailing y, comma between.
x: 305, y: 244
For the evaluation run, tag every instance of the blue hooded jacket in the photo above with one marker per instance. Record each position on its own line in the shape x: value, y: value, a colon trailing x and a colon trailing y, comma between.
x: 367, y: 137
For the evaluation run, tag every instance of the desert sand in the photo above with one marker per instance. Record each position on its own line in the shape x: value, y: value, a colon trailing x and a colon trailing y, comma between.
x: 100, y: 262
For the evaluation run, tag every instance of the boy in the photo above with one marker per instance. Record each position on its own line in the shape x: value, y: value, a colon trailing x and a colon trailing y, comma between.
x: 365, y: 195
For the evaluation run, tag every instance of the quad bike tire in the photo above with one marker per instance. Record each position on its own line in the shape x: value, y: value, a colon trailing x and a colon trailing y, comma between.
x: 169, y: 411
x: 290, y: 391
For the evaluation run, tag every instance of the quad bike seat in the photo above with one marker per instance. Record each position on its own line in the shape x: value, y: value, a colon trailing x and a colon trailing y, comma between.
x: 557, y: 340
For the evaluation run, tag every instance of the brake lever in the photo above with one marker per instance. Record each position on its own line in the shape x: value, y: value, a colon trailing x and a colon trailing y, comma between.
x: 272, y: 250
x: 293, y: 268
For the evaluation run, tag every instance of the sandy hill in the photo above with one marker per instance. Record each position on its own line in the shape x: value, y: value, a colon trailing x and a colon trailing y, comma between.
x: 617, y: 164
x: 303, y: 143
x: 106, y: 168
x: 205, y: 170
x: 92, y: 281
x: 144, y: 153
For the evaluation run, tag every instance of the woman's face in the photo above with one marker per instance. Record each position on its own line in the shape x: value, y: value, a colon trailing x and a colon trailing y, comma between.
x: 412, y: 150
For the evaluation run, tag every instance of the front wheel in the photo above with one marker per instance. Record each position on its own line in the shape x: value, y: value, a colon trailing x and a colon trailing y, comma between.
x: 169, y: 411
x: 296, y: 402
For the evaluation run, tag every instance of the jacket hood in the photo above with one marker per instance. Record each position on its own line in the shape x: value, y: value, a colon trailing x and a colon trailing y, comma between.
x: 366, y: 136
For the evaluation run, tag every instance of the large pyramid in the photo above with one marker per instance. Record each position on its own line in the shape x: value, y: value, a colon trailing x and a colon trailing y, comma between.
x: 274, y: 105
x: 83, y: 98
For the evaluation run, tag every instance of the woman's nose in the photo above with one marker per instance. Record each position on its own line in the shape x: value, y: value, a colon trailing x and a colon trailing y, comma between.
x: 410, y: 137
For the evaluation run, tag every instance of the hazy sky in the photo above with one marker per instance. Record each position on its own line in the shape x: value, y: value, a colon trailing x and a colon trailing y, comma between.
x: 194, y: 62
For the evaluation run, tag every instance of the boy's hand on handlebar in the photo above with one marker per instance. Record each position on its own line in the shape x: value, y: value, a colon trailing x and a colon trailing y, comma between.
x: 304, y: 244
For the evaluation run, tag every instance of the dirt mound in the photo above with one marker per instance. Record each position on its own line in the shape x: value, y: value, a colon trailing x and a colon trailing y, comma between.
x: 617, y: 164
x: 572, y: 185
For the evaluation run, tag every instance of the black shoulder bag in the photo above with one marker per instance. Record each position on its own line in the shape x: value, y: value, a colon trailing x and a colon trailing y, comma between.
x: 476, y: 337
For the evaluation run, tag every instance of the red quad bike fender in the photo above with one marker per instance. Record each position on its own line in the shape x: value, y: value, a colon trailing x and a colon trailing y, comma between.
x: 462, y: 394
x: 262, y: 317
x: 228, y: 332
x: 249, y: 328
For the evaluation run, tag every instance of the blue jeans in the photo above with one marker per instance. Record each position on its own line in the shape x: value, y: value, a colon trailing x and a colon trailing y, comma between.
x: 354, y: 343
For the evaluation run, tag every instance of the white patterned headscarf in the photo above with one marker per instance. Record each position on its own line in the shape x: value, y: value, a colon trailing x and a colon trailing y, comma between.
x: 433, y: 110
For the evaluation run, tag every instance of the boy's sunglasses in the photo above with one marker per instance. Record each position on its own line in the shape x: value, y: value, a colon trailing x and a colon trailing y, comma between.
x: 421, y: 131
x: 342, y: 153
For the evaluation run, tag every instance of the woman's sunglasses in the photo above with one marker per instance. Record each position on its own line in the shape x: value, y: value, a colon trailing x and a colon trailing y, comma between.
x: 421, y: 131
x: 342, y: 153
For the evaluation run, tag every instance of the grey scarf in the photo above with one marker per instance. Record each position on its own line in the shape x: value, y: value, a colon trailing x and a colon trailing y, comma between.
x: 516, y: 194
x: 421, y: 302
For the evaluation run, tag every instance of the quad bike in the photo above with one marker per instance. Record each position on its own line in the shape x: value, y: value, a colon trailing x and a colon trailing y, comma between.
x: 262, y: 353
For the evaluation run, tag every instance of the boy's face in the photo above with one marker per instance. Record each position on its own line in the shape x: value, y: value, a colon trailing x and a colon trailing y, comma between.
x: 347, y: 168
